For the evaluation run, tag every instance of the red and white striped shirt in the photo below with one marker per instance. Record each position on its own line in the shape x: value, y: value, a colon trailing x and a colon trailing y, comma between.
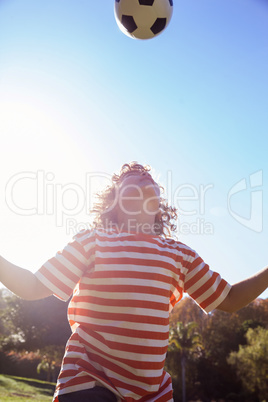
x: 124, y: 286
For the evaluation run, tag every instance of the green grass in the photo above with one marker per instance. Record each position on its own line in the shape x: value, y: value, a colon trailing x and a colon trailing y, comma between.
x: 18, y: 389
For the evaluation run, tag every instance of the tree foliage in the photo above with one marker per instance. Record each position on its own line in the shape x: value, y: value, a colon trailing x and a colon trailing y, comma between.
x: 251, y: 362
x: 186, y: 341
x: 210, y: 376
x: 51, y: 357
x: 32, y: 325
x: 32, y: 333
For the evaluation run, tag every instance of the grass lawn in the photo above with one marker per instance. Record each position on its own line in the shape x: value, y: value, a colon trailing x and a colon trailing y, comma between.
x: 18, y: 389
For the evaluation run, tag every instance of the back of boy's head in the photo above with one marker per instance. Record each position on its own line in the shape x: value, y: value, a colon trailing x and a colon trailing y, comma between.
x: 105, y: 211
x: 130, y: 167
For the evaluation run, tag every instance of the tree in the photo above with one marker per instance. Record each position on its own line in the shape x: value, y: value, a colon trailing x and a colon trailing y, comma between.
x: 33, y: 334
x: 32, y: 325
x: 51, y: 357
x: 185, y: 339
x: 4, y: 330
x: 210, y: 376
x: 251, y: 362
x: 188, y: 311
x: 222, y: 334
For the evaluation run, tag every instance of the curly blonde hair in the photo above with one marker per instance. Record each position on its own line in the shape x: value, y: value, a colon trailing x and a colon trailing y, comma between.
x: 104, y: 210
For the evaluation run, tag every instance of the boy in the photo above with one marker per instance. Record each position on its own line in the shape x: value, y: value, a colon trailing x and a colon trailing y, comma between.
x: 125, y: 275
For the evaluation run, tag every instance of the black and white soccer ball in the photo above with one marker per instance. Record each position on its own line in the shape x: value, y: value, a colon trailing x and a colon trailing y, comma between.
x: 143, y: 19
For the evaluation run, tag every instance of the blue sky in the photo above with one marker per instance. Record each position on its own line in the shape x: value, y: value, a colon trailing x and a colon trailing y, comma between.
x: 78, y: 99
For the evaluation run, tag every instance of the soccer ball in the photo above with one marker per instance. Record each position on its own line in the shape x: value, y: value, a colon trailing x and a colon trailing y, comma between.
x: 143, y: 19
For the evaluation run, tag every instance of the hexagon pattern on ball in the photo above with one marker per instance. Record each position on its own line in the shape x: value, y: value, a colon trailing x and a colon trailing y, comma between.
x: 143, y: 19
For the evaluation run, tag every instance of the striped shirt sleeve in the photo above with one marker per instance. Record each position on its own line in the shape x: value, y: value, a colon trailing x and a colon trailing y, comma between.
x: 205, y: 286
x: 62, y: 272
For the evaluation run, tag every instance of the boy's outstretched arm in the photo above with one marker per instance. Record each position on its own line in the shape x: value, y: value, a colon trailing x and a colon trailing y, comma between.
x: 22, y: 282
x: 244, y: 292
